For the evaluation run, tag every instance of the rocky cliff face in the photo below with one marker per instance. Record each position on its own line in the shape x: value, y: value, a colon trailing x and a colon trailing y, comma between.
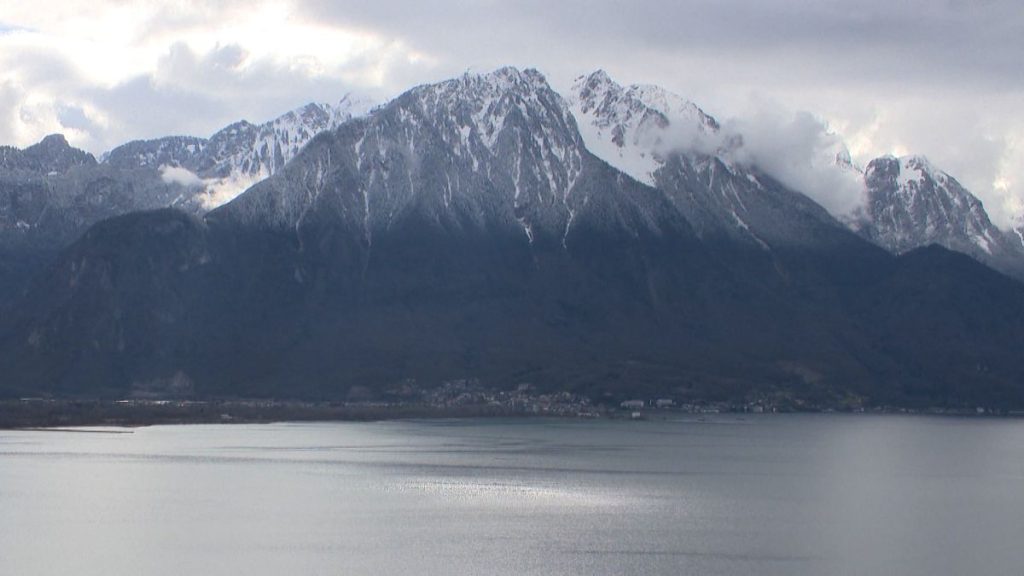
x: 670, y: 143
x: 912, y: 204
x: 494, y: 151
x: 636, y: 128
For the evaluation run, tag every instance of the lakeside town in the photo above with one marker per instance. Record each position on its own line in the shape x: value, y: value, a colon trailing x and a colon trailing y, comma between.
x: 464, y: 398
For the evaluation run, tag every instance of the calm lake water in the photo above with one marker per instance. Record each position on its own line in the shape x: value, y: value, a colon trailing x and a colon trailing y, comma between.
x: 793, y: 494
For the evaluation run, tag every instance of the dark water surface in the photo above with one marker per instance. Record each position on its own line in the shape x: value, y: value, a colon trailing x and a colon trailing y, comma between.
x: 774, y: 494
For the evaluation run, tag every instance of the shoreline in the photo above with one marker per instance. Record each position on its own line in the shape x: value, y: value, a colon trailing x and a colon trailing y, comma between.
x: 72, y: 415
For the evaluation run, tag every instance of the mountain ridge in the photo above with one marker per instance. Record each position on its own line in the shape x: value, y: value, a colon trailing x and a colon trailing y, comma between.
x: 626, y: 126
x: 668, y: 142
x: 465, y: 230
x: 911, y: 204
x: 241, y: 153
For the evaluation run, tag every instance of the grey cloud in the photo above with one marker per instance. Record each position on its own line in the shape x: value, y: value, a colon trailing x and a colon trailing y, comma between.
x: 868, y: 41
x: 75, y: 118
x: 957, y: 136
x: 44, y: 68
x: 49, y: 73
x: 256, y: 91
x: 800, y: 151
x: 198, y: 93
x: 190, y: 92
x: 10, y: 98
x: 141, y: 109
x: 184, y: 67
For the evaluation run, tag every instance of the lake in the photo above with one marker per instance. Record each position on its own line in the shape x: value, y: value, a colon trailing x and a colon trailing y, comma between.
x: 764, y: 494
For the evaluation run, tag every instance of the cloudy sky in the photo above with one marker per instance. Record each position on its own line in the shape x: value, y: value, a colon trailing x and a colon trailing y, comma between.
x: 942, y: 78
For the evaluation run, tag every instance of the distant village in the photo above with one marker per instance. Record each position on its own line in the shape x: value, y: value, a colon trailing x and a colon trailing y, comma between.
x: 526, y: 399
x: 453, y: 398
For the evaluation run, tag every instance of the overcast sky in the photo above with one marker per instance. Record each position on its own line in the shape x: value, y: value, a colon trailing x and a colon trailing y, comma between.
x: 942, y: 78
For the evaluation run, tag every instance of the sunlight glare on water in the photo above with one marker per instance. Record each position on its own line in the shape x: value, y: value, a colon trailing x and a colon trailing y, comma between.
x: 774, y: 494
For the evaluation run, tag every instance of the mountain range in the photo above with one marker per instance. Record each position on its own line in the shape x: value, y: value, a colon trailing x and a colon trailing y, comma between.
x: 609, y: 242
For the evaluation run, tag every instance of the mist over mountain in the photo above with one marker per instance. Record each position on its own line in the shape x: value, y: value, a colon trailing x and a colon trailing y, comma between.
x: 671, y: 144
x: 609, y: 242
x: 238, y: 155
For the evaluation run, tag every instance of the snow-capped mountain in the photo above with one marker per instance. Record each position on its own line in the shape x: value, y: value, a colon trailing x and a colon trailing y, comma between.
x: 635, y: 128
x: 513, y: 160
x: 241, y: 154
x: 50, y: 192
x: 467, y: 215
x: 465, y: 230
x: 664, y: 140
x: 911, y: 204
x: 668, y: 142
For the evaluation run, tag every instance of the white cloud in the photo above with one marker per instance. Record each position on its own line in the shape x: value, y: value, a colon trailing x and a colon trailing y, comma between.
x: 223, y: 190
x: 215, y: 191
x: 145, y: 69
x: 801, y: 151
x: 179, y: 175
x: 975, y: 138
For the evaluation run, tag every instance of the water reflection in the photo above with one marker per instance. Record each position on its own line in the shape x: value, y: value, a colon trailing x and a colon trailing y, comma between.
x: 764, y: 495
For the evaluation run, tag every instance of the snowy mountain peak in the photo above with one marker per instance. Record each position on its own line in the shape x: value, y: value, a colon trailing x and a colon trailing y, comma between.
x: 597, y: 93
x: 496, y: 149
x: 509, y: 108
x: 912, y: 203
x: 676, y: 108
x: 489, y: 98
x: 504, y: 78
x: 634, y: 127
x: 596, y: 78
x: 668, y: 142
x: 911, y: 174
x: 246, y: 150
x: 241, y: 153
x: 918, y: 169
